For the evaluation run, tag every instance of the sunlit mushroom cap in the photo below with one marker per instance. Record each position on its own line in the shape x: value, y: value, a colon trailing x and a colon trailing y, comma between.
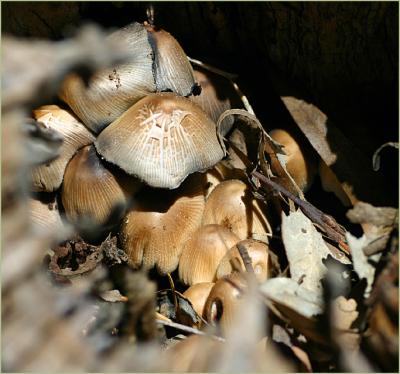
x: 48, y: 177
x: 90, y: 190
x: 203, y: 252
x: 172, y: 69
x: 161, y: 139
x: 113, y: 90
x: 155, y: 229
x: 197, y: 295
x: 232, y: 205
x: 259, y: 255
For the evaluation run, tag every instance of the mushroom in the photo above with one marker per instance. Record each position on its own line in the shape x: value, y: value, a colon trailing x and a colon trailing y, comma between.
x: 48, y: 177
x: 262, y: 260
x: 197, y: 294
x: 155, y: 229
x: 112, y: 91
x: 172, y: 69
x: 203, y: 252
x: 232, y: 205
x: 299, y: 164
x: 330, y: 183
x: 45, y: 215
x: 217, y: 95
x: 91, y: 190
x: 223, y: 301
x: 161, y: 139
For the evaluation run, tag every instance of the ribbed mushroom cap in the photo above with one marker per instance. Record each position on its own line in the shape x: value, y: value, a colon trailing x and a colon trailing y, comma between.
x: 161, y: 139
x: 299, y: 166
x: 154, y: 231
x: 172, y: 69
x: 217, y: 95
x: 91, y: 190
x: 260, y: 259
x: 112, y: 91
x: 224, y: 299
x: 44, y: 214
x: 48, y: 177
x: 232, y: 205
x: 197, y: 295
x: 203, y: 252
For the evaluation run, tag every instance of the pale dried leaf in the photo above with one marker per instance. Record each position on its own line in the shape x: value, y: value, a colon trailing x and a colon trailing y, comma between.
x: 113, y: 296
x: 288, y: 292
x: 360, y: 261
x: 305, y: 250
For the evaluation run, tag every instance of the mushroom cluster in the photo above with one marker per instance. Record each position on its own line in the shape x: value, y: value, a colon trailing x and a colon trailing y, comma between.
x: 140, y: 147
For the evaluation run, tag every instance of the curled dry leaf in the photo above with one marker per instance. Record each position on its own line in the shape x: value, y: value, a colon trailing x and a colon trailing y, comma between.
x: 113, y: 296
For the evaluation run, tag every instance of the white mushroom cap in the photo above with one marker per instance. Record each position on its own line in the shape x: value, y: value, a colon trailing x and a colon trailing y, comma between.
x: 113, y: 90
x: 48, y: 177
x: 161, y: 139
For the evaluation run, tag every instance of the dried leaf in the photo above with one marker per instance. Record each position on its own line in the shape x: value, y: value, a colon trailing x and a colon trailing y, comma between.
x: 360, y: 261
x: 113, y: 296
x: 305, y: 250
x: 376, y: 158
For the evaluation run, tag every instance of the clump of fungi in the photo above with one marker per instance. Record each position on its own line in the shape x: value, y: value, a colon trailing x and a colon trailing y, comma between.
x: 142, y: 137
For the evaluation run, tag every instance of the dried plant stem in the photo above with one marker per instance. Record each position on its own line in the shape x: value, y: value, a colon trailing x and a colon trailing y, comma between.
x: 245, y: 257
x: 185, y: 328
x: 333, y: 230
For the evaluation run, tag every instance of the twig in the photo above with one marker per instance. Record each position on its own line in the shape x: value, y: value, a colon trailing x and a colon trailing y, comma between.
x: 213, y: 69
x: 245, y: 257
x: 191, y: 330
x: 333, y: 230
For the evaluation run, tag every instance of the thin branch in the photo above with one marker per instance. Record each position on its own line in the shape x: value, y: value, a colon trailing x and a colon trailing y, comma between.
x: 333, y: 230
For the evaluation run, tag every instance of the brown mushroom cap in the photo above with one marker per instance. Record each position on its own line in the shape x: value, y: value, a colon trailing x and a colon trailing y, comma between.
x: 48, y: 177
x: 113, y: 90
x: 161, y: 139
x: 203, y: 252
x: 91, y: 190
x: 224, y: 299
x: 299, y: 166
x: 197, y: 295
x: 154, y: 231
x: 232, y: 205
x: 260, y: 259
x: 172, y: 69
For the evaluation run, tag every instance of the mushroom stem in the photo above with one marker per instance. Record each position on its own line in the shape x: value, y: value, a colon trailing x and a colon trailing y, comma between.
x: 171, y: 282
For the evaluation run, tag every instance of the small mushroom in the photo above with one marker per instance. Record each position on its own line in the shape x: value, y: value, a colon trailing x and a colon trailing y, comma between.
x: 112, y: 91
x: 91, y: 190
x: 161, y: 139
x: 223, y: 301
x: 155, y: 229
x: 263, y: 261
x: 48, y: 177
x: 217, y: 95
x: 300, y: 166
x: 197, y: 295
x: 203, y: 252
x: 232, y: 205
